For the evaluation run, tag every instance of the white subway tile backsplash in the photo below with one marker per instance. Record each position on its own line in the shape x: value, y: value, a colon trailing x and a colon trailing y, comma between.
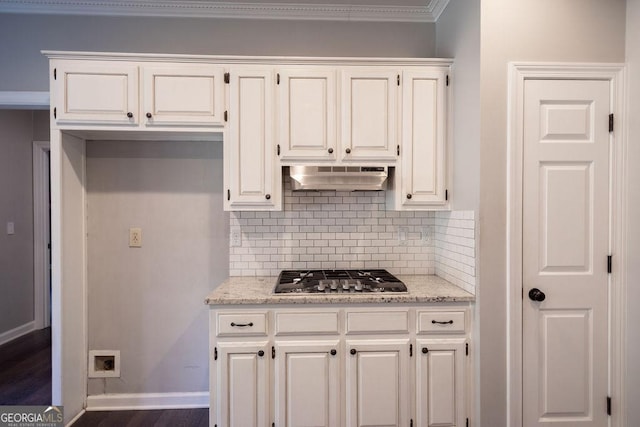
x: 353, y: 230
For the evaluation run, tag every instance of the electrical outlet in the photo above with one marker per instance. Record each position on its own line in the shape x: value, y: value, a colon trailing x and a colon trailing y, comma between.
x: 426, y: 235
x: 104, y: 363
x: 135, y: 237
x: 403, y: 235
x: 10, y: 228
x: 236, y: 238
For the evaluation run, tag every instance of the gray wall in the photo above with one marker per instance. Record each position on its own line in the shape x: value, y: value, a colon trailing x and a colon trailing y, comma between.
x: 633, y: 213
x: 24, y: 36
x: 524, y: 30
x: 148, y: 302
x: 16, y: 205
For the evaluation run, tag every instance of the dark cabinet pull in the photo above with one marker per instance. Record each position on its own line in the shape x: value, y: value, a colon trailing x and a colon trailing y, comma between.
x: 348, y: 150
x: 353, y: 351
x: 261, y: 353
x: 330, y: 150
x: 425, y: 350
x: 268, y: 196
x: 448, y: 322
x: 333, y: 352
x: 242, y: 325
x: 149, y: 115
x: 130, y: 114
x: 409, y: 196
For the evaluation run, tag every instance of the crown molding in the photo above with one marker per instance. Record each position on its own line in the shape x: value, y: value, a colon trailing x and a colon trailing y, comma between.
x: 237, y: 10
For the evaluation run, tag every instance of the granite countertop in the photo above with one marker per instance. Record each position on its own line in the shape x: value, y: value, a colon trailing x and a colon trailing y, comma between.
x: 251, y: 290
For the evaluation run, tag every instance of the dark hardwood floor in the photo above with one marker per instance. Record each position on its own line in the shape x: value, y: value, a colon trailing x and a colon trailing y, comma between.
x: 25, y: 370
x: 25, y: 379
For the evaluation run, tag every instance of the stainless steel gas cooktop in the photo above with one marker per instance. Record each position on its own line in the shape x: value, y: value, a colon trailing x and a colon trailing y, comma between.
x: 337, y: 281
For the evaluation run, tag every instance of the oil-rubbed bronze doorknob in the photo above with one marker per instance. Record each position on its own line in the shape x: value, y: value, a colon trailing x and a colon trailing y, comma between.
x: 536, y: 294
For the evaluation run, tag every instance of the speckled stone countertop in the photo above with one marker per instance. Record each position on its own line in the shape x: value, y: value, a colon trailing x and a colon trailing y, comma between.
x: 258, y: 290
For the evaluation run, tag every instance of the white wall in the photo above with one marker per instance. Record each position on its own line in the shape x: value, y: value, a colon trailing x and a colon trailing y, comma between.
x: 633, y: 213
x: 523, y: 30
x: 148, y: 302
x: 23, y: 36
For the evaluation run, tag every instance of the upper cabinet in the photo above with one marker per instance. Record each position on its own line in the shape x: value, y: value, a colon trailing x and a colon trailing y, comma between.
x: 369, y: 114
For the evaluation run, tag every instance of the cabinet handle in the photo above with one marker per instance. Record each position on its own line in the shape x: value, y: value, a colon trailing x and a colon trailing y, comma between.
x: 425, y: 350
x: 267, y: 196
x: 348, y: 150
x: 261, y: 353
x: 353, y: 351
x: 448, y: 322
x: 149, y: 115
x: 333, y: 352
x: 242, y: 325
x: 330, y: 150
x: 130, y: 114
x: 409, y: 196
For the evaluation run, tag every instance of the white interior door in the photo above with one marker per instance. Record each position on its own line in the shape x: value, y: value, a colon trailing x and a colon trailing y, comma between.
x: 565, y: 248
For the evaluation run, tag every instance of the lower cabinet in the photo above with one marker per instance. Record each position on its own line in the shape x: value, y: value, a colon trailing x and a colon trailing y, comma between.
x: 281, y: 367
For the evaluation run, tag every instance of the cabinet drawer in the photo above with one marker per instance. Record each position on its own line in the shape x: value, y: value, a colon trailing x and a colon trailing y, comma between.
x: 433, y: 322
x: 378, y: 321
x: 230, y: 324
x: 307, y: 323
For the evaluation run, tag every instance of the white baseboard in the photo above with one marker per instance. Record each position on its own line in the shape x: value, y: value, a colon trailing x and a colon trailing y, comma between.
x: 140, y: 401
x: 76, y: 418
x: 14, y: 333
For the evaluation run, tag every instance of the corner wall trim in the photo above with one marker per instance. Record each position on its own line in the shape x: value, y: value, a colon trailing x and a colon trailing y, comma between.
x: 14, y: 333
x: 141, y: 401
x: 23, y: 100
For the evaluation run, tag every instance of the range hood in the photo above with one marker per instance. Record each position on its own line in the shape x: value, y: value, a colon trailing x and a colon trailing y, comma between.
x: 340, y: 178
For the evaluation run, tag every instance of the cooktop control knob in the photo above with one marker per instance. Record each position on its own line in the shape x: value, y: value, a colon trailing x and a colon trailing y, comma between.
x: 334, y: 285
x: 358, y: 286
x: 321, y: 286
x: 345, y: 285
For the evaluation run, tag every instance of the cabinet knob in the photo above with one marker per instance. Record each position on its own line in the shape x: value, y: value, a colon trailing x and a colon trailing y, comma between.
x: 333, y: 352
x: 330, y: 150
x: 353, y: 351
x: 348, y: 150
x: 409, y: 196
x: 267, y: 196
x: 130, y: 114
x: 261, y: 353
x: 149, y: 115
x: 425, y: 350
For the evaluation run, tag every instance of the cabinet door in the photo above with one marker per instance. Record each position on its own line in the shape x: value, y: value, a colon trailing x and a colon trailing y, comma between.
x: 241, y: 385
x: 377, y: 382
x: 423, y: 138
x: 185, y: 94
x: 307, y: 113
x: 440, y: 382
x: 253, y: 183
x: 307, y: 387
x: 103, y: 93
x: 369, y: 113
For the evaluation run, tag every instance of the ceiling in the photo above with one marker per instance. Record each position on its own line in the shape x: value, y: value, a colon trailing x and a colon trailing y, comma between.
x: 335, y: 10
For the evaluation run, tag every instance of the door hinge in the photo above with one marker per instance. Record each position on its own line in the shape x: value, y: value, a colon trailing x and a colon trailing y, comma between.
x: 609, y: 264
x: 55, y: 74
x: 55, y: 113
x: 466, y: 349
x: 410, y: 350
x: 608, y: 405
x: 226, y: 116
x: 411, y: 423
x: 446, y: 194
x: 228, y: 194
x: 273, y: 352
x: 278, y: 149
x: 227, y: 78
x: 467, y: 422
x: 611, y: 122
x: 398, y: 150
x: 447, y: 80
x: 398, y: 79
x: 273, y: 424
x: 215, y: 353
x: 278, y: 78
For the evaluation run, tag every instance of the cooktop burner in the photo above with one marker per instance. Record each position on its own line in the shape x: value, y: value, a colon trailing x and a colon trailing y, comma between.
x: 337, y: 281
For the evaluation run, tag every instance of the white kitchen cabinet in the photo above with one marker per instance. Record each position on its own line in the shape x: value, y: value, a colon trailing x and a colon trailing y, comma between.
x: 183, y: 94
x: 307, y: 383
x: 242, y: 375
x: 440, y: 382
x: 95, y: 92
x: 369, y: 114
x: 307, y: 112
x: 422, y: 180
x: 252, y: 181
x: 377, y: 378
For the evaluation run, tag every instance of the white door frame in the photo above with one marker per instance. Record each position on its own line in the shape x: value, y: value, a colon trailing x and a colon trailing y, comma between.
x: 41, y: 233
x: 614, y: 74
